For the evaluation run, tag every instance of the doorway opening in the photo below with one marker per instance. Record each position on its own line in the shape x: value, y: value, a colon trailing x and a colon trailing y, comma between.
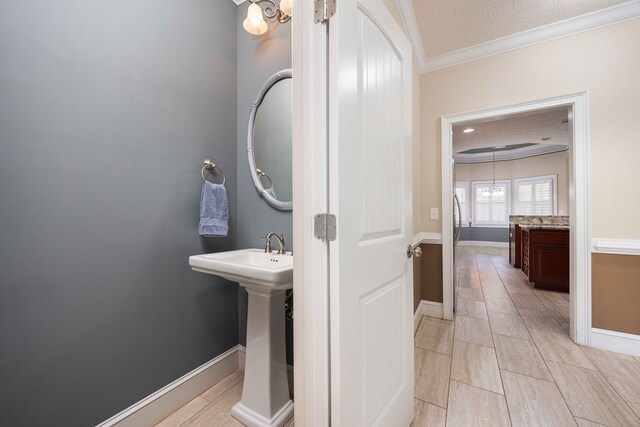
x: 529, y: 159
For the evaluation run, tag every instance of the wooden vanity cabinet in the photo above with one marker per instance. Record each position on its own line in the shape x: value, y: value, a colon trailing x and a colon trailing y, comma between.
x: 545, y: 258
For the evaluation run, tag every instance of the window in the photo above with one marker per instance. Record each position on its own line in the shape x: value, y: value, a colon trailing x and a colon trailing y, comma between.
x: 462, y: 191
x: 535, y: 196
x: 491, y: 209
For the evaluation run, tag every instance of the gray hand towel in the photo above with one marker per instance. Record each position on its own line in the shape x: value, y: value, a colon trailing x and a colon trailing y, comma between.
x: 214, y: 210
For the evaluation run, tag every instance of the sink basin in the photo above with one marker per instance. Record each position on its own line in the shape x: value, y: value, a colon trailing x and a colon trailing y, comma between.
x: 248, y: 267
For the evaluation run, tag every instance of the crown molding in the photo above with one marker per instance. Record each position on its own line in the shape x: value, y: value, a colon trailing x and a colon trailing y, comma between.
x: 413, y: 31
x: 589, y: 21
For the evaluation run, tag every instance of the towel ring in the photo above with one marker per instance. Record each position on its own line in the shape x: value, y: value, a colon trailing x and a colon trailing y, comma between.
x: 261, y: 174
x: 209, y: 165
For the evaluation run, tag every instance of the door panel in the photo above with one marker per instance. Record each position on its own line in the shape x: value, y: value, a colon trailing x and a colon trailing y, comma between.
x: 371, y: 279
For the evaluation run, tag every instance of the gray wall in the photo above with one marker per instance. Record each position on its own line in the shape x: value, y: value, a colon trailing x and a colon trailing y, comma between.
x: 258, y: 59
x: 485, y: 234
x: 107, y: 110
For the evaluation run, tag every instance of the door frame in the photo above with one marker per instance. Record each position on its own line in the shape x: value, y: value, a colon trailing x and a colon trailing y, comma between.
x: 310, y: 197
x: 579, y: 209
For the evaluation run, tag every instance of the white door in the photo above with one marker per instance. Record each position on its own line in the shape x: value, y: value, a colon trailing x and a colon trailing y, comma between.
x: 371, y: 279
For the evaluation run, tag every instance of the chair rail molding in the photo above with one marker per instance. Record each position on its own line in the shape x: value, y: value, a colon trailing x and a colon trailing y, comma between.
x: 427, y: 238
x: 615, y: 246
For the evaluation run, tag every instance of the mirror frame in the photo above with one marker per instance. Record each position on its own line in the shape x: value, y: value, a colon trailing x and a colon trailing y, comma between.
x: 271, y: 81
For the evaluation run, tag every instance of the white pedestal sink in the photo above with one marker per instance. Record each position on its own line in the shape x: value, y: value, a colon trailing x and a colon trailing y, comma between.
x: 266, y: 276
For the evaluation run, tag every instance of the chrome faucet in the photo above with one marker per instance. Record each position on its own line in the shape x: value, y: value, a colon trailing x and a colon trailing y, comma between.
x: 279, y: 238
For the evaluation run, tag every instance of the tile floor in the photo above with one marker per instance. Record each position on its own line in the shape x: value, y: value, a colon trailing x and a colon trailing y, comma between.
x: 506, y: 359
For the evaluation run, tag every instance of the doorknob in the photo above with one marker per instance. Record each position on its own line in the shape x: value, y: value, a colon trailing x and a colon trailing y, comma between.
x: 414, y: 250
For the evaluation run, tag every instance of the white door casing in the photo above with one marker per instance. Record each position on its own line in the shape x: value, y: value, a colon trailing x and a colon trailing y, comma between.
x: 579, y: 210
x: 370, y: 191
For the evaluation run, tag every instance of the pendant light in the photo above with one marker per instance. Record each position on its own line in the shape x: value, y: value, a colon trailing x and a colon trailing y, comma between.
x: 494, y: 189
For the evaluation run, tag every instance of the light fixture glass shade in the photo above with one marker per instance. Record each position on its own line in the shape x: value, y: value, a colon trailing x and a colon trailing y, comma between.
x: 285, y: 7
x: 255, y: 23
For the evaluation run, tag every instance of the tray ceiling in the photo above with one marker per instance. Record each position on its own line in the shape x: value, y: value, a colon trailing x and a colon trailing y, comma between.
x: 529, y: 128
x: 448, y: 32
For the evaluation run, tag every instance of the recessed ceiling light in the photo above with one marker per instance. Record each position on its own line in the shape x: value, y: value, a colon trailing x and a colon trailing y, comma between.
x: 546, y: 138
x: 468, y: 130
x: 500, y: 146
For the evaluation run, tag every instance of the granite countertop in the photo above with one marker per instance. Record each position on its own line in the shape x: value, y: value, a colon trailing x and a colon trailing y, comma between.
x: 544, y: 227
x: 553, y: 220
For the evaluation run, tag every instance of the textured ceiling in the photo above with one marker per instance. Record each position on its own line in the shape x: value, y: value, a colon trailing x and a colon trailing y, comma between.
x: 527, y: 128
x: 449, y: 25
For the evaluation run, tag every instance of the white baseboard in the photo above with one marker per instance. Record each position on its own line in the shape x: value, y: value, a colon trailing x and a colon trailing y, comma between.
x: 483, y: 244
x: 619, y: 342
x: 159, y: 405
x: 429, y: 309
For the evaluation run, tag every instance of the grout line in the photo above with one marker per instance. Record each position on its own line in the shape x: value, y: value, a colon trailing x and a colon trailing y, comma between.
x: 528, y: 376
x: 495, y: 353
x: 476, y: 387
x: 430, y: 403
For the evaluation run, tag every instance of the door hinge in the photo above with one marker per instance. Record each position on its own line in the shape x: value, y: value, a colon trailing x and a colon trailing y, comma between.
x: 324, y: 227
x: 323, y: 10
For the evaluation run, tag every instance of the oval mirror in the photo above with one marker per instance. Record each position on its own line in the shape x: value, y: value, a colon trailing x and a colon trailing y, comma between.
x: 269, y: 141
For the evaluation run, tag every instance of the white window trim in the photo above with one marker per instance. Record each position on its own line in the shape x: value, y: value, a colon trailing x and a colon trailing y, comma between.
x: 467, y: 202
x: 508, y: 204
x: 554, y: 185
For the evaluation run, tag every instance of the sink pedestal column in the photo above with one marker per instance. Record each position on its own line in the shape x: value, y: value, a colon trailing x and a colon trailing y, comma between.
x: 265, y: 393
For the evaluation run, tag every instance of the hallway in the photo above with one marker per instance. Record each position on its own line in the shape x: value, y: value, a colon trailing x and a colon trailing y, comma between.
x: 507, y: 359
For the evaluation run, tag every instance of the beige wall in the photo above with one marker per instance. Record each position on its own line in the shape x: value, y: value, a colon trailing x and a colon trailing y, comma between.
x: 549, y: 164
x: 605, y: 62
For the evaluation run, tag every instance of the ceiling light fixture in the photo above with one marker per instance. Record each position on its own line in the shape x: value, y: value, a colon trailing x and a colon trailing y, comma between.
x: 494, y: 189
x: 255, y: 23
x: 468, y: 130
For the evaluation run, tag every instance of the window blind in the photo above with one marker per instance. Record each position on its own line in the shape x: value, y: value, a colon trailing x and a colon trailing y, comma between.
x: 462, y: 190
x: 535, y: 196
x: 491, y: 208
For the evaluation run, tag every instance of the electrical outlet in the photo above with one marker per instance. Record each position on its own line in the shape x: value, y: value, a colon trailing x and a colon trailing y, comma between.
x: 434, y: 213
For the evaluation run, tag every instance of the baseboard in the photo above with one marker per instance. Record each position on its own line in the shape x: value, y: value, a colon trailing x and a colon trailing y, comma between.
x: 242, y: 352
x: 619, y: 342
x: 159, y: 405
x: 483, y: 244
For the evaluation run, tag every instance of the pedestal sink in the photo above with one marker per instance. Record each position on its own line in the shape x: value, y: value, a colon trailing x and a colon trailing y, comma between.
x: 266, y: 276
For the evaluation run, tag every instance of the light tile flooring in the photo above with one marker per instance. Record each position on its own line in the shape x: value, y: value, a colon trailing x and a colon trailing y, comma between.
x: 506, y: 360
